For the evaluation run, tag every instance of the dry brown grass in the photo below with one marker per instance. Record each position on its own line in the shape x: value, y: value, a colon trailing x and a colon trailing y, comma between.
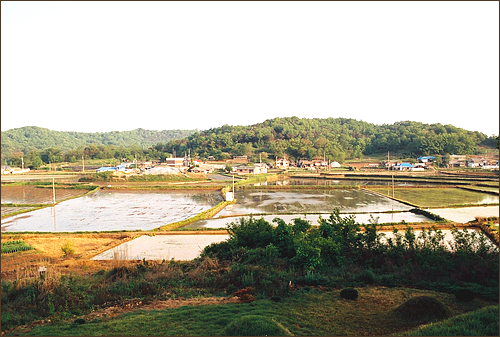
x: 48, y: 253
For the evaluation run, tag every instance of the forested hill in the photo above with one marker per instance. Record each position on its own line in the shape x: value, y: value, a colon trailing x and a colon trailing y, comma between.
x: 30, y: 138
x: 298, y: 138
x: 336, y: 138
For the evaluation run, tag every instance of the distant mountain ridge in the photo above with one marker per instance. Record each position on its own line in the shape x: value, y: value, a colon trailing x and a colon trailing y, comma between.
x: 296, y: 138
x: 30, y: 138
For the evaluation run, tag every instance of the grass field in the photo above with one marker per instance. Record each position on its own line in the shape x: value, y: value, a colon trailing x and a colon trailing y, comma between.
x: 483, y: 322
x: 308, y: 312
x: 438, y: 197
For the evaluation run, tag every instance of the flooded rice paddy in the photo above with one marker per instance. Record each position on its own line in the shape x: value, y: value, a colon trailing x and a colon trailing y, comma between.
x: 114, y: 210
x: 313, y: 219
x: 310, y: 201
x: 162, y: 247
x: 345, y: 182
x: 466, y: 214
x: 29, y: 194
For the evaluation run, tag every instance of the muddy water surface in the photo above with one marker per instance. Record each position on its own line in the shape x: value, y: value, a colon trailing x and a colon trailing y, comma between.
x: 313, y: 219
x: 310, y: 201
x: 161, y: 247
x: 115, y: 210
x: 466, y: 214
x: 29, y: 194
x: 345, y: 182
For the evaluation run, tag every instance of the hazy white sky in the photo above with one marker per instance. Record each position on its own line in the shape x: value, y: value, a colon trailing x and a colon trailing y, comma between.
x: 116, y: 66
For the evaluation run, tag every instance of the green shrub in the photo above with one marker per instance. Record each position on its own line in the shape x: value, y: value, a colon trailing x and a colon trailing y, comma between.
x: 67, y: 248
x: 349, y: 293
x: 254, y: 325
x: 79, y: 321
x: 464, y: 295
x: 251, y: 233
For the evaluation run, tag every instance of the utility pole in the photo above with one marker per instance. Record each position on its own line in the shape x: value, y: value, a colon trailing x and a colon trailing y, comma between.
x: 53, y: 192
x: 22, y: 163
x: 83, y: 165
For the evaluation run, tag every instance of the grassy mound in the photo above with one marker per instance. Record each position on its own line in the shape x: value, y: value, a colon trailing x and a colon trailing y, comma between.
x: 482, y: 322
x: 255, y: 325
x: 422, y: 308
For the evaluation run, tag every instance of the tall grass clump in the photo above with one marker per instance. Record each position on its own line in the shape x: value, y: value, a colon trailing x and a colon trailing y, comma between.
x: 15, y: 246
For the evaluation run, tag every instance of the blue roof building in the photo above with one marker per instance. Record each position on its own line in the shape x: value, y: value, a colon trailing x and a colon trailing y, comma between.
x: 114, y: 168
x: 425, y: 159
x: 105, y: 169
x: 403, y: 166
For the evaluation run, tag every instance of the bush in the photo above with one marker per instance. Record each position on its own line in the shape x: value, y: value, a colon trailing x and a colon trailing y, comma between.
x: 67, y: 248
x: 254, y: 325
x: 349, y: 293
x: 251, y: 233
x: 464, y: 295
x: 423, y: 308
x: 79, y: 321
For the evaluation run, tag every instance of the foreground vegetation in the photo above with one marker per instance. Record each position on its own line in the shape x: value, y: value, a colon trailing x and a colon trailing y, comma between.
x: 276, y: 270
x: 321, y: 313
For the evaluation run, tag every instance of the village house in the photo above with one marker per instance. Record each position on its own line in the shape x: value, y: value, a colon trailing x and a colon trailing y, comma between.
x: 282, y: 163
x: 175, y: 162
x: 121, y: 167
x: 403, y: 167
x: 426, y: 160
x: 203, y: 168
x: 455, y: 161
x: 256, y: 169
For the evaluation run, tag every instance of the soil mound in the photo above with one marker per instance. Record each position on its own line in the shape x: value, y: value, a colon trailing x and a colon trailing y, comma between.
x: 423, y: 308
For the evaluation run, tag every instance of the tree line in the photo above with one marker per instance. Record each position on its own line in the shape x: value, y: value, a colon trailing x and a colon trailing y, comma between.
x: 336, y: 139
x: 332, y: 138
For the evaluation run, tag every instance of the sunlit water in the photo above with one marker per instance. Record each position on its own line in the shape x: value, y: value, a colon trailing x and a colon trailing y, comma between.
x: 161, y: 247
x: 466, y: 214
x: 115, y: 210
x: 310, y: 201
x: 313, y: 219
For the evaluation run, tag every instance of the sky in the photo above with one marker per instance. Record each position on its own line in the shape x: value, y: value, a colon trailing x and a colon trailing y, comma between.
x: 117, y: 66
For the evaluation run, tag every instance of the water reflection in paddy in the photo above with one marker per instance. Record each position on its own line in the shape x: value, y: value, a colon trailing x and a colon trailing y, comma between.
x: 313, y: 218
x: 345, y: 182
x: 310, y: 201
x: 162, y: 247
x: 115, y: 210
